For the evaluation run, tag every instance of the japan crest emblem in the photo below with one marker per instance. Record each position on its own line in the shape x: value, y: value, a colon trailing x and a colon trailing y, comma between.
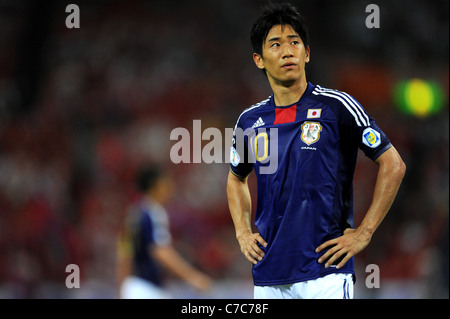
x: 311, y: 132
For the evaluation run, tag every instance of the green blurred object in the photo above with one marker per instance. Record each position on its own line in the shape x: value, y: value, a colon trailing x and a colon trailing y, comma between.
x: 419, y: 97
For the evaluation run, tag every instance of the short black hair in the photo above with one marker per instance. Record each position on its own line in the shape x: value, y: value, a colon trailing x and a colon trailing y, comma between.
x: 277, y: 14
x: 146, y: 177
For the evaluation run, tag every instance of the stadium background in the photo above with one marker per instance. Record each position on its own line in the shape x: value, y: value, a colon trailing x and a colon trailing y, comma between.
x: 80, y: 109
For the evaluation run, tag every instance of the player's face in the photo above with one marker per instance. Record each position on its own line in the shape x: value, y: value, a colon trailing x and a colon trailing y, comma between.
x: 164, y: 188
x: 283, y: 56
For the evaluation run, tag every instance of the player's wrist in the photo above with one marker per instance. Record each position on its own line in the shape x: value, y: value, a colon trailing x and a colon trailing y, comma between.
x: 241, y: 234
x: 365, y: 232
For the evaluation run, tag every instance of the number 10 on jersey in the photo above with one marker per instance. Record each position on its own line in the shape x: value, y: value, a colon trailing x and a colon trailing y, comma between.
x: 263, y: 151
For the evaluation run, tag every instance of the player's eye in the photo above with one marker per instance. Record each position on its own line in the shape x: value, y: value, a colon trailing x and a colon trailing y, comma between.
x: 275, y: 44
x: 295, y: 42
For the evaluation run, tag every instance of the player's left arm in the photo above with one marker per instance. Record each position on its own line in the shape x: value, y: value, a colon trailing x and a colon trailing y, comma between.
x: 391, y: 170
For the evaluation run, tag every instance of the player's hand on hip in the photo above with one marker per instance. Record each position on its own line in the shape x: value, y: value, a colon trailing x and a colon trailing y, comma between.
x: 348, y: 245
x: 249, y: 246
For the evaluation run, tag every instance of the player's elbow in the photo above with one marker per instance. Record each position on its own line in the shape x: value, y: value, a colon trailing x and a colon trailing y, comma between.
x: 398, y: 168
x: 392, y: 164
x: 232, y: 178
x: 402, y: 168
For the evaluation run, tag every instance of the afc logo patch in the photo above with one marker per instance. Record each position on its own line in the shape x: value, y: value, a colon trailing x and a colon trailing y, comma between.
x: 234, y: 157
x: 371, y: 138
x: 311, y: 132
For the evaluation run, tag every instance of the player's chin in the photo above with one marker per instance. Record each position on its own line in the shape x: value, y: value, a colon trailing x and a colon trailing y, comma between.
x: 289, y: 80
x: 289, y: 76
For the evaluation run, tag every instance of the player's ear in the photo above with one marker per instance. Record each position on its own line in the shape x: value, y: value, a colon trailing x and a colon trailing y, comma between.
x: 258, y: 61
x: 307, y: 52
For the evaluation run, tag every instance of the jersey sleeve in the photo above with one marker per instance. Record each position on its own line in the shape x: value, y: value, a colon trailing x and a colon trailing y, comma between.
x: 373, y: 141
x: 161, y: 229
x: 363, y: 129
x: 240, y: 163
x: 155, y: 229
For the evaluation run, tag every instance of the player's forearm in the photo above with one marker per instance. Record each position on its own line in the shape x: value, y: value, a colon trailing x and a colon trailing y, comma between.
x: 390, y: 175
x: 172, y: 260
x: 239, y: 203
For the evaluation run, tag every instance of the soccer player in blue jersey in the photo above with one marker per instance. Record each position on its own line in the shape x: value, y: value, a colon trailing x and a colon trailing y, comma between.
x: 146, y: 243
x: 303, y: 241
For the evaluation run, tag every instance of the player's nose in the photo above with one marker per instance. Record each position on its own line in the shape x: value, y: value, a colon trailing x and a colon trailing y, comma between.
x: 286, y: 52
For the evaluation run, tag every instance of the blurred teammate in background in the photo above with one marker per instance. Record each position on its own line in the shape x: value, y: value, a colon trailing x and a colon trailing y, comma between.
x: 146, y: 243
x: 305, y: 243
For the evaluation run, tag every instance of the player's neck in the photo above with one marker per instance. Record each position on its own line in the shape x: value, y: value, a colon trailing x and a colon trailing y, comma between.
x: 288, y: 94
x: 154, y: 197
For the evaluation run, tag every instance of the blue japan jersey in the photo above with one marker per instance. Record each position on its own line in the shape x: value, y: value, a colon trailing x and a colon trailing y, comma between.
x: 148, y: 225
x: 304, y: 156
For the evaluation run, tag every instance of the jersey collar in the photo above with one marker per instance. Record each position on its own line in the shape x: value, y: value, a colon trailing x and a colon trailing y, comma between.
x: 310, y: 87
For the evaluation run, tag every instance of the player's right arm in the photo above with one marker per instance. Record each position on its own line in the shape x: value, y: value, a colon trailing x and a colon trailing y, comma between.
x: 171, y: 259
x: 239, y: 203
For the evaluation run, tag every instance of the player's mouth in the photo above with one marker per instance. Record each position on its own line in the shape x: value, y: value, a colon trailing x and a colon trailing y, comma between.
x: 289, y: 66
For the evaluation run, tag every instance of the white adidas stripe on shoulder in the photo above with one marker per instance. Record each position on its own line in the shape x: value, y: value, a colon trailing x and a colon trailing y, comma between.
x: 251, y: 108
x: 350, y: 104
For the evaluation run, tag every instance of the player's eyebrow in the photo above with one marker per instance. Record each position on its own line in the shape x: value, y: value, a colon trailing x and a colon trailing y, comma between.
x: 291, y: 36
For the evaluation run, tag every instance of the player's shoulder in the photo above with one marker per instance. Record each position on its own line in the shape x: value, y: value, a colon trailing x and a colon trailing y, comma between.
x: 255, y: 107
x: 251, y: 110
x: 341, y: 102
x: 333, y: 97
